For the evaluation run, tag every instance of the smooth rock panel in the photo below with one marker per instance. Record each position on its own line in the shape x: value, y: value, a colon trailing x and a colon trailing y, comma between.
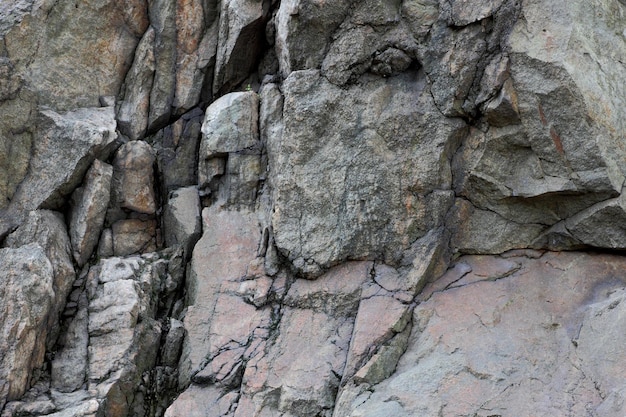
x: 508, y: 330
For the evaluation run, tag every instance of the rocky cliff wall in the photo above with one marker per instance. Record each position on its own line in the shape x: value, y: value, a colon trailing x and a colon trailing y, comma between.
x: 312, y: 209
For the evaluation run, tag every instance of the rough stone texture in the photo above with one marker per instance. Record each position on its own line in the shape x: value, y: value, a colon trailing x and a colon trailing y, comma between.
x: 89, y: 210
x: 73, y: 140
x: 181, y: 219
x: 64, y: 77
x: 303, y: 23
x: 133, y: 236
x: 241, y: 30
x: 559, y: 157
x: 134, y: 108
x: 26, y: 296
x: 104, y: 362
x: 356, y: 209
x: 230, y: 151
x: 133, y: 177
x: 47, y: 229
x: 70, y: 366
x: 506, y: 331
x: 177, y: 149
x: 39, y: 69
x: 348, y: 157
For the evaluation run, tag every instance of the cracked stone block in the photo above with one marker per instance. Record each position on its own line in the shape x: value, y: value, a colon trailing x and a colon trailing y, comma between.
x: 513, y: 328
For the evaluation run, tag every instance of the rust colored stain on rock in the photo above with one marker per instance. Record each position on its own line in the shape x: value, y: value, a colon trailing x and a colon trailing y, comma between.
x: 558, y: 144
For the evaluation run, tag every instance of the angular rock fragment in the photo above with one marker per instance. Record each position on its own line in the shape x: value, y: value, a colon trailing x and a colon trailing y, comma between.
x: 241, y: 35
x: 230, y: 124
x: 89, y: 209
x: 181, y: 219
x: 231, y: 149
x: 134, y: 108
x: 196, y: 44
x: 26, y: 300
x: 133, y: 177
x: 163, y: 20
x: 133, y: 236
x: 300, y: 24
x: 73, y: 141
x: 47, y: 229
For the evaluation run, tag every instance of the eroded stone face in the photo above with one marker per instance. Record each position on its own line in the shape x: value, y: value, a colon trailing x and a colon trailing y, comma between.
x: 341, y: 154
x: 498, y: 331
x: 27, y: 297
x: 358, y: 173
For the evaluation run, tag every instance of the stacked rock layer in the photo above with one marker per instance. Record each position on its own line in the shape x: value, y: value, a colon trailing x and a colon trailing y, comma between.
x: 306, y: 208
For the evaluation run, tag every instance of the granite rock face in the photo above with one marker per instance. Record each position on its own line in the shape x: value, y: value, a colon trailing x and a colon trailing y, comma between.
x: 305, y: 208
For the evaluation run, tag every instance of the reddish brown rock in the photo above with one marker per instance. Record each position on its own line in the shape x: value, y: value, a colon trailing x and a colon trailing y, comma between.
x: 221, y: 256
x: 133, y: 177
x: 133, y: 236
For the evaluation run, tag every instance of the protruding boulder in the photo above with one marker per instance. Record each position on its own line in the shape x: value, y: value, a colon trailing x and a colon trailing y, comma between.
x: 332, y: 203
x: 230, y: 151
x: 48, y: 230
x: 241, y: 36
x: 73, y: 141
x: 231, y: 124
x: 89, y: 209
x: 26, y: 301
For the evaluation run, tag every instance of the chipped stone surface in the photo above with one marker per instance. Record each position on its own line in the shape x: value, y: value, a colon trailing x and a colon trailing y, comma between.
x: 89, y: 210
x: 485, y: 347
x: 47, y: 229
x: 133, y: 236
x: 182, y: 222
x: 73, y: 140
x: 379, y: 117
x: 380, y: 183
x: 27, y: 296
x: 133, y: 177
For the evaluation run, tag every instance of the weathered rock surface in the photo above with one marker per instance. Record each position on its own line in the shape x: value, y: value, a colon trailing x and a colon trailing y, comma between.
x: 374, y: 186
x: 105, y: 361
x: 230, y: 151
x: 341, y: 206
x: 241, y: 33
x: 89, y: 210
x: 506, y: 330
x: 47, y: 229
x: 133, y: 177
x: 182, y: 220
x: 27, y: 296
x: 73, y: 140
x: 177, y: 150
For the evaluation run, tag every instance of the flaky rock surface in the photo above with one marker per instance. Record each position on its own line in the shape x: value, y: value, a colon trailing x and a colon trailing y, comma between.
x: 303, y: 208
